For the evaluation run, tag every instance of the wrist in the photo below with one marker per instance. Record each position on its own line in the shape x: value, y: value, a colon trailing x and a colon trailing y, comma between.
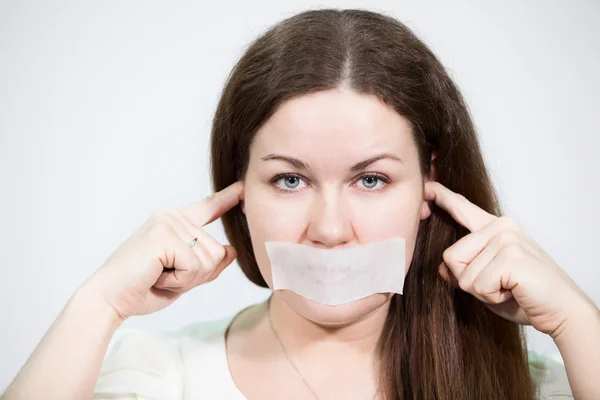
x: 90, y: 302
x: 584, y: 318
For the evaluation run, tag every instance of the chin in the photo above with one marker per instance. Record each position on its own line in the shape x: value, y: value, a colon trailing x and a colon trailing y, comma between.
x: 333, y: 316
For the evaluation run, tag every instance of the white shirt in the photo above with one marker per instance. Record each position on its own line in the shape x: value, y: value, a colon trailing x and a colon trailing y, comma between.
x: 191, y: 363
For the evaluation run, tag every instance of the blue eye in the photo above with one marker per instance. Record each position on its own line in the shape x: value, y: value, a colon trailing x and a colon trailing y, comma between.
x: 287, y: 182
x: 290, y: 183
x: 370, y: 181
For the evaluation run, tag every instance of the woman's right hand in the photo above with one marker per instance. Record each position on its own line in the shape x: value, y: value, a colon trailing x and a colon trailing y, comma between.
x: 155, y: 266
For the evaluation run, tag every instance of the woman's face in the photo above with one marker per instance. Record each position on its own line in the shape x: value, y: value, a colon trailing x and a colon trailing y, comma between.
x: 310, y: 180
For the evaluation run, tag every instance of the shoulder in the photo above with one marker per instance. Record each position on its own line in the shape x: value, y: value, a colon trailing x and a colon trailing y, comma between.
x: 550, y: 376
x: 141, y: 364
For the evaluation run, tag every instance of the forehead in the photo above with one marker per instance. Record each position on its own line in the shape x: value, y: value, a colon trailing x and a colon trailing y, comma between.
x: 333, y: 122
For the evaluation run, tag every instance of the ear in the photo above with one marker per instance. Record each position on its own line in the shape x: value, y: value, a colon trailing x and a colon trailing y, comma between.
x: 432, y: 177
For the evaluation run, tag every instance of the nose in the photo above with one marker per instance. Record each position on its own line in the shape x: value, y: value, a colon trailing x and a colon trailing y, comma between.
x: 330, y: 222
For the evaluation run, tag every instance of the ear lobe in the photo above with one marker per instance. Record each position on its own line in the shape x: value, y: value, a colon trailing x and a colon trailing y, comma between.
x: 243, y: 206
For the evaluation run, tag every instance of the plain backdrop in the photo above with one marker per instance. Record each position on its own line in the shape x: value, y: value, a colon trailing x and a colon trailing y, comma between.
x: 105, y: 113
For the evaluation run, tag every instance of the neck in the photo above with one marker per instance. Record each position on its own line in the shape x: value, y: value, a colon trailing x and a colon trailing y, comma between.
x: 301, y: 335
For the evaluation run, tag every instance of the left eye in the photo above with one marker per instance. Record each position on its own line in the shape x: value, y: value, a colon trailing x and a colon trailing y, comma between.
x: 369, y: 181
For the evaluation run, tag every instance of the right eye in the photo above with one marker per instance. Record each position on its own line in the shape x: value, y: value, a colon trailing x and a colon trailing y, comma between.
x: 288, y: 182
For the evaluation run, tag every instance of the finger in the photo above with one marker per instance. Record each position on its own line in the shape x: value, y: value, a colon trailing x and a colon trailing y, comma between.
x: 493, y: 285
x: 168, y: 216
x: 474, y: 269
x: 484, y: 293
x: 187, y: 232
x: 180, y: 265
x: 208, y: 251
x: 214, y: 272
x: 212, y: 207
x: 230, y: 255
x: 462, y: 210
x: 210, y: 244
x: 481, y: 276
x: 462, y: 253
x: 179, y: 280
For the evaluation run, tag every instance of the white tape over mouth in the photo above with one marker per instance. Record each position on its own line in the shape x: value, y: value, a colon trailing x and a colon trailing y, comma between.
x: 341, y: 275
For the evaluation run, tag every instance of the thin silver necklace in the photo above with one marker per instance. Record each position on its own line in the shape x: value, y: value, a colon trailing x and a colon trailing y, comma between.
x: 290, y: 360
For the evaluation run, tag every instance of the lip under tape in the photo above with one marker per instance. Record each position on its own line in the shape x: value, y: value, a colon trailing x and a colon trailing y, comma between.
x: 337, y: 276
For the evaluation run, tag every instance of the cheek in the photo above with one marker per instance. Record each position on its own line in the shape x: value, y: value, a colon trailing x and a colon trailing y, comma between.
x: 274, y: 217
x: 270, y: 217
x: 260, y: 226
x: 393, y: 216
x: 380, y: 221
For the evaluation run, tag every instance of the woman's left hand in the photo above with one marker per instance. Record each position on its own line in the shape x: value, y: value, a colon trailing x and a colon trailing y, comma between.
x: 504, y: 268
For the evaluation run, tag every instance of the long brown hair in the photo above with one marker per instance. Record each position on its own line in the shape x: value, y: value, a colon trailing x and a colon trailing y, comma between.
x: 438, y: 342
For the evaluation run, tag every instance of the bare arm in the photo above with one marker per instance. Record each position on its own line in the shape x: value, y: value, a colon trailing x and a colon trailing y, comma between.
x: 149, y: 271
x: 579, y: 346
x: 67, y: 361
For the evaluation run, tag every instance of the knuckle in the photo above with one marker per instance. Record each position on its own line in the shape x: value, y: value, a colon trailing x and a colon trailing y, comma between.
x: 219, y: 254
x: 513, y: 250
x: 508, y: 222
x: 162, y: 213
x: 160, y: 228
x: 506, y: 238
x: 203, y: 272
x: 448, y: 255
x: 201, y: 266
x: 478, y: 287
x: 210, y: 198
x: 463, y: 284
x: 175, y: 212
x: 195, y: 264
x: 462, y: 198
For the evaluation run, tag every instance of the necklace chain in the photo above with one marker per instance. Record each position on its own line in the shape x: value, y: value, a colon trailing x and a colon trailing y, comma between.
x: 290, y: 360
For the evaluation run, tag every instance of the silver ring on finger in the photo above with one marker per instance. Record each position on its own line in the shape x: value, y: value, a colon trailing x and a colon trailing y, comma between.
x: 192, y: 242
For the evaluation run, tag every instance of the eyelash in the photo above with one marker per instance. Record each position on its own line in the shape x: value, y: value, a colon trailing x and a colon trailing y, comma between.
x: 380, y: 177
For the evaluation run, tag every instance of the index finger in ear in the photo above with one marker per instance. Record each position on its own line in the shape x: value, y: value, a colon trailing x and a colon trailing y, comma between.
x: 462, y: 210
x: 214, y: 206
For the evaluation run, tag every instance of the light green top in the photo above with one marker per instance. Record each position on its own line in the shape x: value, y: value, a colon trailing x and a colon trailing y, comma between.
x: 191, y: 363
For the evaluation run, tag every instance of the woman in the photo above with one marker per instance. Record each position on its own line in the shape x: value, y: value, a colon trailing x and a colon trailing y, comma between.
x: 335, y: 129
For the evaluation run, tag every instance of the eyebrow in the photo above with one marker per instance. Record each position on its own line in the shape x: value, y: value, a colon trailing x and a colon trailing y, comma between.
x: 298, y: 164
